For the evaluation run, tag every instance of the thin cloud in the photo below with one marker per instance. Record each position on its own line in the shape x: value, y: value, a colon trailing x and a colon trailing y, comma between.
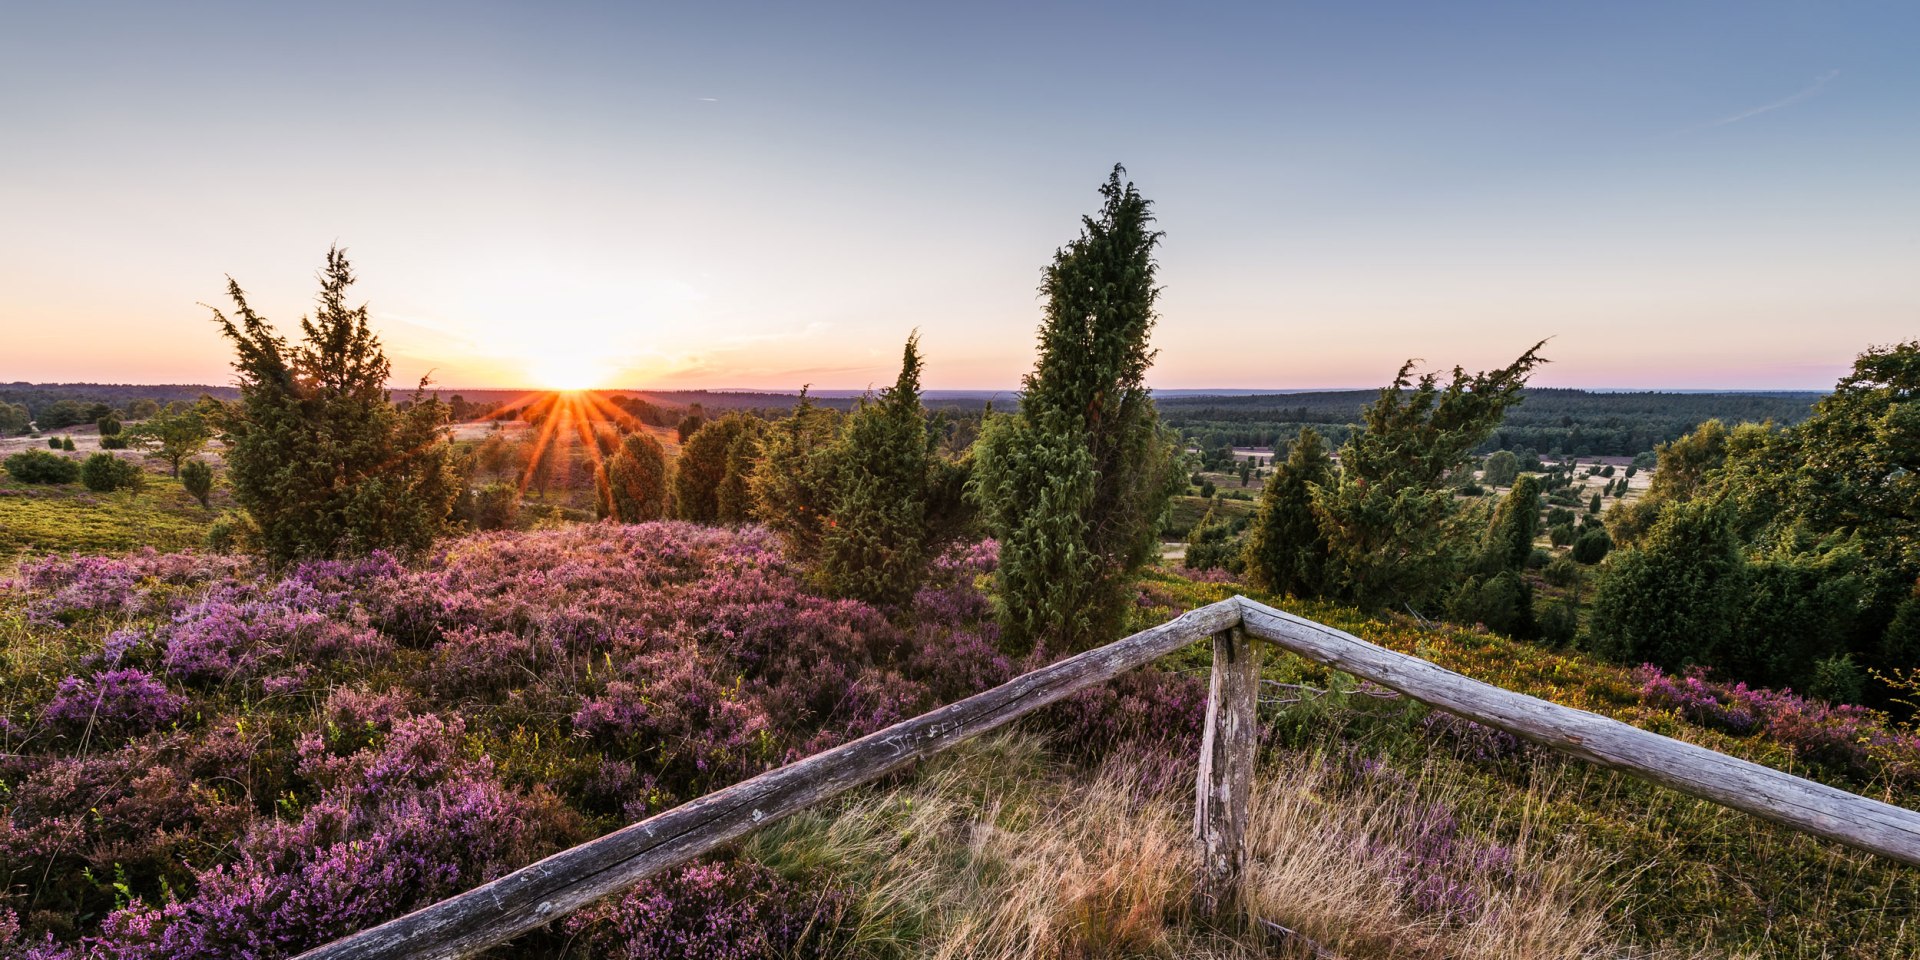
x: 1807, y: 94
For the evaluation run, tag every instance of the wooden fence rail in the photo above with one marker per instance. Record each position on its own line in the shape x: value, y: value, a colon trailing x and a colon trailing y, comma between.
x: 560, y: 884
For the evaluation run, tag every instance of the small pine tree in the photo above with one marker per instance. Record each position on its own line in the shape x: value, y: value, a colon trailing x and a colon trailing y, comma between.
x: 792, y: 483
x: 318, y: 455
x: 1390, y: 519
x: 1285, y: 551
x: 877, y: 545
x: 1515, y: 525
x: 1074, y: 485
x: 1676, y: 600
x: 66, y: 443
x: 108, y: 426
x: 702, y: 467
x: 733, y: 499
x: 636, y: 480
x: 197, y: 477
x: 1593, y: 505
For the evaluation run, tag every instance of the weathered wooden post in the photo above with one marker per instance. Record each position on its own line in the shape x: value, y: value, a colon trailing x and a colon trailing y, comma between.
x: 1226, y: 769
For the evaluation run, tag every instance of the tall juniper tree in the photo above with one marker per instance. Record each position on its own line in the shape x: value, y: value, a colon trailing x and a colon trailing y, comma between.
x: 1075, y: 483
x: 319, y: 456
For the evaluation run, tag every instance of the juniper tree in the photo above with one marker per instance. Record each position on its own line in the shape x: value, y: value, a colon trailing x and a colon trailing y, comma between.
x: 636, y: 480
x: 1391, y: 524
x: 792, y: 483
x: 1515, y: 526
x: 197, y: 477
x: 879, y: 540
x: 702, y: 467
x: 319, y: 457
x: 1074, y: 485
x: 733, y: 499
x: 1677, y: 599
x: 1285, y: 551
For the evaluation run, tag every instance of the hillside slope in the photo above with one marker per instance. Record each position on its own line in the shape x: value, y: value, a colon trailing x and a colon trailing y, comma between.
x: 203, y: 760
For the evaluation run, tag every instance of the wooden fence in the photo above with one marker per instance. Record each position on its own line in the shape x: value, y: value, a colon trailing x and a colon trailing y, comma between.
x: 560, y: 884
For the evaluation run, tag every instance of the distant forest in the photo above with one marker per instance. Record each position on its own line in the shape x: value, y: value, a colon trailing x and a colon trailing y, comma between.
x: 1577, y: 423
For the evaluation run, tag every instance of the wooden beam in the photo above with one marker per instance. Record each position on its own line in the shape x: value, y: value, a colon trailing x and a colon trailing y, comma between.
x: 560, y: 884
x: 1859, y: 822
x: 1227, y: 749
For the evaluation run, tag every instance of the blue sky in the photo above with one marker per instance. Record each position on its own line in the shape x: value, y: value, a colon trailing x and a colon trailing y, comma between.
x: 1684, y: 195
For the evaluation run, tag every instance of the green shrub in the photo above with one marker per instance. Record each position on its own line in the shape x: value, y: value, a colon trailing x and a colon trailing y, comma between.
x: 104, y: 473
x: 108, y: 426
x: 1838, y: 679
x: 701, y: 469
x: 1559, y: 623
x: 1562, y: 572
x: 113, y: 442
x: 494, y: 506
x: 636, y: 480
x: 1560, y: 535
x: 1504, y: 603
x: 39, y: 466
x: 1592, y: 547
x: 230, y: 533
x: 66, y: 443
x: 318, y: 455
x: 1676, y: 600
x: 53, y: 443
x: 197, y: 477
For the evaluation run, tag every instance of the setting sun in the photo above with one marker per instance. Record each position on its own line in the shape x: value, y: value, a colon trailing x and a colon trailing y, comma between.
x: 562, y: 372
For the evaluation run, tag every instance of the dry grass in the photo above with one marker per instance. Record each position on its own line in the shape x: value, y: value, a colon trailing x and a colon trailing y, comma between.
x: 988, y: 857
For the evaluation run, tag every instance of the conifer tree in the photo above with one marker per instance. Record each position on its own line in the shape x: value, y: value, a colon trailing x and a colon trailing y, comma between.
x: 702, y: 467
x: 792, y: 482
x: 733, y: 500
x: 197, y: 477
x: 878, y: 542
x: 636, y: 486
x: 1285, y: 551
x: 1074, y: 485
x: 1676, y: 600
x: 319, y: 457
x: 1515, y: 525
x: 1392, y: 524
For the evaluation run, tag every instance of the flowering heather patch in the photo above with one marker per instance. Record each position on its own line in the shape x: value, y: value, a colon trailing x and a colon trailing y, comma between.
x: 123, y: 702
x: 710, y: 911
x: 1852, y: 740
x: 318, y: 750
x: 67, y: 588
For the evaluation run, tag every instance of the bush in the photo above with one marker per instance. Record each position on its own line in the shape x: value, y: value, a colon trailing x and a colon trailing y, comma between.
x: 38, y: 466
x: 1504, y: 603
x: 1559, y: 623
x: 108, y: 426
x: 66, y: 443
x: 1562, y: 572
x: 53, y: 443
x: 105, y: 473
x: 1592, y: 547
x: 1560, y: 534
x: 1677, y: 600
x: 495, y: 506
x: 197, y: 477
x: 637, y: 480
x: 1502, y: 467
x: 113, y: 442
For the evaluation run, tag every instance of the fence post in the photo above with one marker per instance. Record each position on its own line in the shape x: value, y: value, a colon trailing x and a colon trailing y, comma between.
x: 1226, y: 769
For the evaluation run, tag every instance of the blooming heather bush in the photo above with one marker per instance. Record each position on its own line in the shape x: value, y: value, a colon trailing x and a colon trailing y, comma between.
x: 117, y: 702
x: 709, y: 911
x: 1851, y: 740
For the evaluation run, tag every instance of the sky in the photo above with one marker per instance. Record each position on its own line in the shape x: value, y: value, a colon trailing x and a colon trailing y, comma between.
x: 1684, y: 195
